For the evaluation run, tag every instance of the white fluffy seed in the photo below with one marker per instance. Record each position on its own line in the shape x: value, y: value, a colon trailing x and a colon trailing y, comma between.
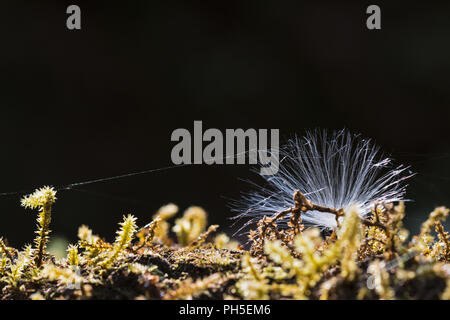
x: 334, y: 170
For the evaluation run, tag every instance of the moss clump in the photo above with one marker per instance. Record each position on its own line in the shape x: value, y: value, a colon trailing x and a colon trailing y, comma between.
x: 363, y: 259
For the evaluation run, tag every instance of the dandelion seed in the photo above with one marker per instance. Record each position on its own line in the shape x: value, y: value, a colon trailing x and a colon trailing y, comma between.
x: 333, y: 170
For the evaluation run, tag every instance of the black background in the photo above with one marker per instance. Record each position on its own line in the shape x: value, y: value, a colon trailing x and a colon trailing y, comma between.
x: 103, y: 101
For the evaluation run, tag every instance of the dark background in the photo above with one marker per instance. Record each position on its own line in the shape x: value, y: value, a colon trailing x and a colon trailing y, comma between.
x: 103, y: 101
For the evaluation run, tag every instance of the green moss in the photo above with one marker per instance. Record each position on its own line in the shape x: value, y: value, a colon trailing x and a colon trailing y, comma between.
x: 363, y: 259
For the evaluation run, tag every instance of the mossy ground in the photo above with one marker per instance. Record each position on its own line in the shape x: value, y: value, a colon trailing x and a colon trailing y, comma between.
x: 363, y: 259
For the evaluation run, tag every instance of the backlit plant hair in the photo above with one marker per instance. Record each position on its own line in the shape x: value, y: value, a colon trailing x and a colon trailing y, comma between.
x: 325, y: 173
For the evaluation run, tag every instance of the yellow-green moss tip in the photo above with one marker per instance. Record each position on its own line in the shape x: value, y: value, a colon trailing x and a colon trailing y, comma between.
x: 123, y: 240
x: 191, y: 225
x: 72, y: 255
x: 41, y: 197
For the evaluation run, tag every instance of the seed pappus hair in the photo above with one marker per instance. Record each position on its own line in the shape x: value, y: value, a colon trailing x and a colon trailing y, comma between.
x: 335, y: 170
